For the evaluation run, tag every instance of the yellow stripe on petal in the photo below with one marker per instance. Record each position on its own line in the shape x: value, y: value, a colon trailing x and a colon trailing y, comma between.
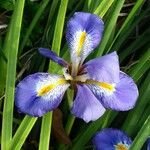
x: 104, y: 85
x: 50, y: 87
x: 81, y: 42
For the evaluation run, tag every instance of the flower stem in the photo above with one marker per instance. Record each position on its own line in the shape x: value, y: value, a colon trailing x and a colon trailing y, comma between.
x: 69, y: 124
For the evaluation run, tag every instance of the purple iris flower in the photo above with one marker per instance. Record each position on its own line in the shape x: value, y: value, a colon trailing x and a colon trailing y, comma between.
x: 99, y: 83
x: 148, y: 145
x: 111, y: 139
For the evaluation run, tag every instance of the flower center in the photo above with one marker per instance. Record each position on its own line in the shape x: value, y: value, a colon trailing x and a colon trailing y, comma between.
x: 121, y: 147
x: 78, y: 77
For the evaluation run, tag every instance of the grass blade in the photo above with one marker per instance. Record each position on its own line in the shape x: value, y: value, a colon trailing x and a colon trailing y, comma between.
x: 142, y: 136
x: 33, y: 23
x: 137, y: 44
x: 110, y: 26
x: 45, y: 136
x: 130, y: 124
x: 103, y: 7
x: 12, y: 48
x: 56, y: 47
x: 22, y: 132
x: 126, y: 26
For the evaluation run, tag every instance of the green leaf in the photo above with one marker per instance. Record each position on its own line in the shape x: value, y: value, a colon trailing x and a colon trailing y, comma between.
x: 136, y: 114
x: 45, y: 131
x: 110, y: 26
x: 138, y: 68
x: 56, y: 47
x: 142, y: 136
x: 22, y: 132
x: 127, y: 26
x: 33, y: 23
x: 103, y: 7
x: 12, y: 48
x: 137, y: 44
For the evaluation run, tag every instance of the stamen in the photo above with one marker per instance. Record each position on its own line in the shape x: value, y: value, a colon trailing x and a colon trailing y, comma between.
x: 66, y: 74
x: 81, y: 42
x: 50, y: 87
x: 121, y: 147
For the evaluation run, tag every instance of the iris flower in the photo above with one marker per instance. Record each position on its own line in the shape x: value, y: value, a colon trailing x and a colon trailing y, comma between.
x: 99, y: 83
x: 111, y: 139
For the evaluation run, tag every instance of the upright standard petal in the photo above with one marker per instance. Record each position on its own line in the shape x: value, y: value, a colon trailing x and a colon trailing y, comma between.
x: 86, y: 105
x: 111, y: 139
x: 84, y: 32
x: 103, y: 69
x: 121, y: 96
x: 53, y: 56
x: 39, y: 93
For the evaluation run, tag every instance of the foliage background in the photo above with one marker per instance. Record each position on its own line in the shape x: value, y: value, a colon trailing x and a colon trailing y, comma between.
x: 27, y: 25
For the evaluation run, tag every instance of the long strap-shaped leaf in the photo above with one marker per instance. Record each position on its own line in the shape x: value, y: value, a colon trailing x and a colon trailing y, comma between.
x: 103, y: 7
x: 109, y: 27
x: 46, y: 120
x: 142, y: 136
x: 126, y: 25
x: 33, y: 23
x: 22, y: 132
x: 12, y: 48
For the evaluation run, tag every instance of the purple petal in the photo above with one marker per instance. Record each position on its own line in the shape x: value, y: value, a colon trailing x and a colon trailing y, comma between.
x: 104, y: 69
x: 86, y: 105
x: 40, y: 93
x: 84, y: 32
x: 148, y: 144
x: 122, y: 98
x: 53, y: 56
x: 110, y: 139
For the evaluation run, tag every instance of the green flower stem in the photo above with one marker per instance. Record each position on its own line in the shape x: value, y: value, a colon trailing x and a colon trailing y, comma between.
x: 142, y: 136
x: 71, y: 118
x: 45, y: 136
x: 12, y: 43
x: 53, y: 69
x: 69, y: 124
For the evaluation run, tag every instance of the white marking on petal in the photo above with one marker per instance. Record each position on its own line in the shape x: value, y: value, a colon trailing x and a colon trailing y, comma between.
x: 81, y: 45
x: 58, y: 87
